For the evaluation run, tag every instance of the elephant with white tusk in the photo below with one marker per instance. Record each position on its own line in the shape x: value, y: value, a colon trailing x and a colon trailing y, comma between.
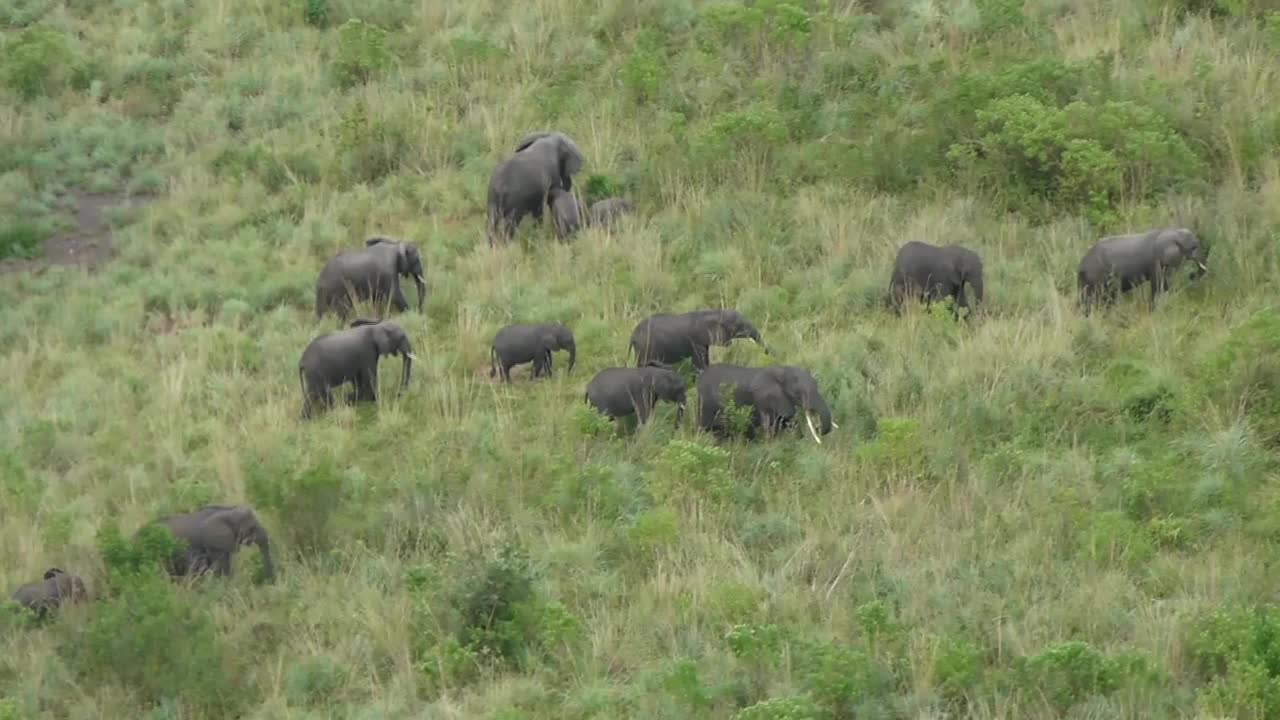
x: 211, y: 535
x: 370, y: 273
x: 1119, y: 263
x: 351, y: 356
x: 619, y: 391
x: 521, y: 183
x: 670, y: 338
x: 775, y: 395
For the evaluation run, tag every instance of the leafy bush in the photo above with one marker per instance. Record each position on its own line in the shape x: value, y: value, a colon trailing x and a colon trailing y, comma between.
x: 362, y: 53
x: 1071, y: 672
x: 370, y: 148
x: 306, y: 500
x: 37, y: 61
x: 686, y: 469
x: 1237, y: 650
x: 316, y: 13
x: 782, y: 708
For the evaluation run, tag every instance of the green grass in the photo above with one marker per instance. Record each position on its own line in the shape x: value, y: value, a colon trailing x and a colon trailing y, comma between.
x: 1038, y: 515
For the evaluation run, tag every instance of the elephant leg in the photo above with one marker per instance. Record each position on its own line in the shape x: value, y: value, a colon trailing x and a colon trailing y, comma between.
x: 367, y: 385
x: 644, y: 408
x: 700, y: 357
x: 222, y: 565
x: 505, y: 367
x: 397, y: 299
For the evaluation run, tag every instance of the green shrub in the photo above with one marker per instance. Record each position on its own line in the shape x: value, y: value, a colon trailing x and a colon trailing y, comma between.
x: 316, y: 13
x: 37, y: 61
x: 782, y: 708
x: 306, y: 500
x: 314, y: 680
x: 362, y: 53
x: 686, y: 469
x: 1070, y: 673
x: 1237, y: 651
x: 21, y: 239
x: 370, y: 148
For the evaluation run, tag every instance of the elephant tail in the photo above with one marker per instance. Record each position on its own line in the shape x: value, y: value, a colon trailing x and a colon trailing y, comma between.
x: 492, y: 370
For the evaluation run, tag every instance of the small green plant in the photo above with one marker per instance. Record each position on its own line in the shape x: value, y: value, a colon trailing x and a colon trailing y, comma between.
x: 21, y: 239
x: 362, y: 53
x: 316, y: 13
x: 1237, y: 651
x: 782, y: 708
x: 686, y: 469
x: 305, y: 500
x: 370, y: 148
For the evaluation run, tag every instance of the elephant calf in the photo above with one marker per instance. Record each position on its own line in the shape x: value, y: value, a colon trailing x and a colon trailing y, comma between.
x: 47, y: 594
x: 774, y: 395
x: 1123, y: 262
x: 518, y: 344
x: 212, y: 535
x: 931, y: 273
x: 670, y: 338
x: 370, y: 273
x: 619, y: 392
x: 605, y: 213
x: 350, y: 356
x: 564, y: 213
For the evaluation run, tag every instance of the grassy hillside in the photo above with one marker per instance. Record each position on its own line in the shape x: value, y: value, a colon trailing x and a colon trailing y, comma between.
x: 1035, y: 514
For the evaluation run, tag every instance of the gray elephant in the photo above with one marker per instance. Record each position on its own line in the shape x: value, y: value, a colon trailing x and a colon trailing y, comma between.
x: 212, y: 535
x: 520, y: 184
x: 565, y: 217
x: 50, y: 592
x: 775, y: 394
x: 1119, y: 263
x: 518, y: 344
x: 622, y: 391
x: 671, y: 337
x: 370, y: 273
x: 932, y: 273
x: 605, y: 213
x: 351, y: 356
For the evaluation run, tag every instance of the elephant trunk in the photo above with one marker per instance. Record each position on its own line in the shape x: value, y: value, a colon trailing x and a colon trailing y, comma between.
x: 264, y: 549
x: 422, y: 290
x: 407, y: 351
x: 573, y: 354
x: 975, y: 282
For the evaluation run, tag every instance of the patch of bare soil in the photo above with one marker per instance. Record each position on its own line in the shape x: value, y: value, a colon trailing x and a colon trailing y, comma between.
x: 89, y: 243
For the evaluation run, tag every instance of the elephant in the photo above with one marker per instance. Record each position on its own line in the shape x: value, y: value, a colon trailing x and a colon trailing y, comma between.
x: 670, y: 338
x: 518, y: 344
x: 564, y: 212
x: 47, y: 594
x: 520, y: 184
x: 351, y: 355
x: 1123, y: 262
x: 931, y: 273
x: 212, y: 535
x: 370, y: 273
x: 622, y: 391
x: 774, y: 394
x: 605, y: 213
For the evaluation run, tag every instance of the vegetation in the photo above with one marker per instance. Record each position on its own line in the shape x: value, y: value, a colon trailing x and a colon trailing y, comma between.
x: 1031, y: 514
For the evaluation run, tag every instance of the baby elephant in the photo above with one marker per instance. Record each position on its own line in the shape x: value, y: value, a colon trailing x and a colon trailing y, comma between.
x: 518, y: 344
x: 622, y: 391
x: 564, y: 212
x: 46, y: 595
x: 606, y: 213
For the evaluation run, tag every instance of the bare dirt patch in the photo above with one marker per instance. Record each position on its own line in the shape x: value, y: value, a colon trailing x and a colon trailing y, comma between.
x: 89, y: 243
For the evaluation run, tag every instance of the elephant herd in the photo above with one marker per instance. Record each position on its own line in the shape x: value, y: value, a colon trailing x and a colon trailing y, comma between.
x: 536, y: 176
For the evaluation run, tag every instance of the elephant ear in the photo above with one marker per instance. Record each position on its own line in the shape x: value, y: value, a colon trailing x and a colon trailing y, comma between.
x: 377, y: 240
x: 52, y: 573
x: 360, y: 322
x: 571, y: 157
x: 768, y: 391
x: 382, y: 340
x: 530, y: 139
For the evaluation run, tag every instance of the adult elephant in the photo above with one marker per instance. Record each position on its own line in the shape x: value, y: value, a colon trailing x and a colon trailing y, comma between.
x: 50, y: 592
x: 518, y: 344
x: 351, y: 356
x: 370, y: 273
x: 774, y: 395
x: 932, y: 273
x: 621, y: 391
x: 520, y: 184
x: 1119, y: 263
x: 211, y: 535
x: 669, y: 338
